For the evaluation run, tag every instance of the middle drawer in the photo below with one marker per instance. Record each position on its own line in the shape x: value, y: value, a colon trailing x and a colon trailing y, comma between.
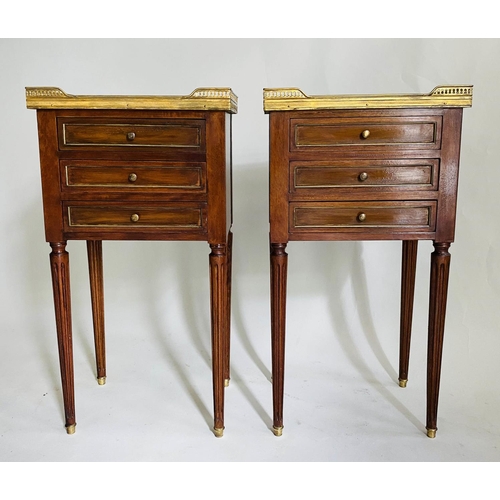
x: 323, y: 177
x: 135, y: 176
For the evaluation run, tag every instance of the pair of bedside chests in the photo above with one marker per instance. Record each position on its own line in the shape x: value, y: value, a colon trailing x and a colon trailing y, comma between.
x: 341, y: 168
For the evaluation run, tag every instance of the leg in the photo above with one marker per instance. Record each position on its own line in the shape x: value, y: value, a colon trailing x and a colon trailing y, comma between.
x: 218, y: 304
x: 440, y: 268
x: 94, y: 252
x: 227, y: 346
x: 279, y: 260
x: 409, y: 265
x: 59, y: 265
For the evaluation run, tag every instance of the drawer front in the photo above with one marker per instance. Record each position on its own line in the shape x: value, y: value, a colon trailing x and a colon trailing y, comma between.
x: 359, y: 216
x: 178, y: 217
x: 152, y: 133
x: 395, y: 132
x: 133, y: 176
x: 321, y: 176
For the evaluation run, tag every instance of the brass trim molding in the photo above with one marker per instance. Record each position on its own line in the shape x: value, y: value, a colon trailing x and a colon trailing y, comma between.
x: 201, y: 99
x: 293, y: 99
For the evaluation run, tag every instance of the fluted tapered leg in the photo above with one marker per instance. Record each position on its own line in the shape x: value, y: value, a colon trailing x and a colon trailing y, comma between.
x: 227, y: 346
x: 59, y: 266
x: 408, y: 268
x: 440, y: 269
x: 279, y: 261
x: 218, y: 304
x: 94, y: 252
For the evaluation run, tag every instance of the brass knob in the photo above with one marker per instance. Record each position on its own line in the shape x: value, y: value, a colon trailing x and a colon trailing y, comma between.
x: 363, y: 176
x: 361, y: 217
x: 130, y: 136
x: 365, y: 134
x: 132, y: 177
x: 134, y: 217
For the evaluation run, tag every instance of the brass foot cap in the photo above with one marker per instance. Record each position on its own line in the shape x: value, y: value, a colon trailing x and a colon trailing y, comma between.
x: 218, y: 432
x: 226, y: 382
x: 402, y: 382
x: 431, y: 433
x: 277, y: 431
x: 101, y: 380
x: 70, y: 429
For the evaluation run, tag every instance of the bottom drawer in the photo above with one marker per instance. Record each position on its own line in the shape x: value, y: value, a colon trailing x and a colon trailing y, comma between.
x: 178, y: 217
x: 408, y: 216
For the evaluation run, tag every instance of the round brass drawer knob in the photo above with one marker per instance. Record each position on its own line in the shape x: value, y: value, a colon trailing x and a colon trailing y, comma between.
x: 363, y: 176
x: 365, y: 134
x: 134, y: 217
x: 361, y: 217
x: 132, y: 177
x: 130, y: 136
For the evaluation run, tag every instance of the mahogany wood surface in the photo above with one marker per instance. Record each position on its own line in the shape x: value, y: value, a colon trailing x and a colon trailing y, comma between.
x: 348, y: 216
x: 131, y: 135
x: 94, y: 253
x: 59, y: 266
x: 365, y: 174
x: 328, y: 133
x: 95, y: 132
x: 229, y: 275
x: 440, y: 270
x: 177, y: 216
x: 329, y: 177
x: 408, y: 271
x: 80, y: 177
x: 136, y: 175
x: 418, y: 132
x: 279, y: 268
x: 218, y: 301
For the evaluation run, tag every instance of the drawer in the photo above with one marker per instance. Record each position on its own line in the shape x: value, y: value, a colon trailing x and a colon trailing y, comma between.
x: 133, y: 176
x: 394, y: 132
x: 80, y: 133
x: 320, y: 177
x: 177, y: 217
x: 358, y: 216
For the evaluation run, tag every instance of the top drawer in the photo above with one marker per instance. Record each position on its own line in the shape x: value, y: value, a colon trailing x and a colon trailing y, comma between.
x: 177, y: 134
x: 410, y: 132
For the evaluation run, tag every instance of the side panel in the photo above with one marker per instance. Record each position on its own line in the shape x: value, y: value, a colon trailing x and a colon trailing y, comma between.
x: 278, y: 176
x: 216, y: 177
x: 49, y: 165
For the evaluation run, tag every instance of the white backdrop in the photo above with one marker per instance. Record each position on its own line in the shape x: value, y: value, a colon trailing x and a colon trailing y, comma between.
x: 343, y: 316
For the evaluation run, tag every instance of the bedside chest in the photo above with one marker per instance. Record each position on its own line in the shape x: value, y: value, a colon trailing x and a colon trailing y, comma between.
x: 136, y: 168
x: 375, y: 167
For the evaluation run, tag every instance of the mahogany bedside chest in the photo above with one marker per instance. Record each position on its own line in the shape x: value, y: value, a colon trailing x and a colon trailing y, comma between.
x: 136, y: 168
x: 374, y: 167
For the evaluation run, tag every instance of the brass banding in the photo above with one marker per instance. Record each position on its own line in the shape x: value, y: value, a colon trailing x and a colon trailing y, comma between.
x: 202, y: 99
x: 293, y: 99
x: 278, y: 431
x: 218, y: 432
